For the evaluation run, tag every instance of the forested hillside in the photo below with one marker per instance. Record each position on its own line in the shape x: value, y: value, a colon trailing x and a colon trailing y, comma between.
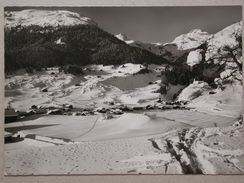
x: 37, y: 47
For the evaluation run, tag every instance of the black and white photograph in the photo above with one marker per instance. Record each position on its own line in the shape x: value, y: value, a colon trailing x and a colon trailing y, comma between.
x: 123, y: 90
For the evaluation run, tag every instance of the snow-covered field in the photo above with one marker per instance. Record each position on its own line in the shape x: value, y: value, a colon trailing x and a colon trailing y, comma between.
x: 131, y: 143
x: 200, y: 140
x: 90, y: 92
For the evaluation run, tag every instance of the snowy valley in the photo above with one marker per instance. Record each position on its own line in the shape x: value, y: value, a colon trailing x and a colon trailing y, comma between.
x: 119, y: 106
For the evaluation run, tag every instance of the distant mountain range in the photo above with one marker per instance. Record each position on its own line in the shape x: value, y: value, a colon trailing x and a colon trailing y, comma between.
x: 41, y: 38
x: 188, y: 42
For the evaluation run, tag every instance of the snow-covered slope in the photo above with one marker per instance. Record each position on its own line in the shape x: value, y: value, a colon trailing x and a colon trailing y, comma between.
x: 193, y: 91
x: 225, y: 37
x: 225, y: 102
x: 193, y: 39
x: 183, y: 44
x: 225, y: 49
x: 44, y: 18
x: 194, y: 57
x: 223, y: 57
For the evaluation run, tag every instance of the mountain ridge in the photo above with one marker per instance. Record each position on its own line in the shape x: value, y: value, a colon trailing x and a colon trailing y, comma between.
x: 83, y: 43
x: 36, y: 46
x: 45, y: 18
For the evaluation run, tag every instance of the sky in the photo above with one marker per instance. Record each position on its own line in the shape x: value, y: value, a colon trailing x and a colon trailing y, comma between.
x: 156, y: 24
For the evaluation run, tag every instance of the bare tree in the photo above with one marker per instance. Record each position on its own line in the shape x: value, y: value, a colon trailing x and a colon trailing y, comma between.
x: 232, y: 53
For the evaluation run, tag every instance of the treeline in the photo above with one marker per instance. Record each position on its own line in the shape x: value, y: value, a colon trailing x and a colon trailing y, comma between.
x: 35, y: 47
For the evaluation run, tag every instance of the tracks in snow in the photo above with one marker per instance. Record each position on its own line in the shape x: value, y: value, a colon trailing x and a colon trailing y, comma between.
x: 180, y: 150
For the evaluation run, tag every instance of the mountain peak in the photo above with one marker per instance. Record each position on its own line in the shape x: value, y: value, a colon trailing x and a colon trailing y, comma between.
x: 122, y: 36
x: 45, y: 18
x: 196, y: 31
x: 190, y: 40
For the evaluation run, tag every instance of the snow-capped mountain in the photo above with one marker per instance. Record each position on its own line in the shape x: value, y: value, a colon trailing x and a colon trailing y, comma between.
x: 222, y: 48
x: 184, y: 44
x: 122, y: 37
x: 215, y: 60
x: 45, y: 18
x: 152, y: 47
x: 90, y: 44
x: 175, y: 49
x: 193, y: 39
x: 54, y: 38
x: 226, y: 37
x: 214, y: 45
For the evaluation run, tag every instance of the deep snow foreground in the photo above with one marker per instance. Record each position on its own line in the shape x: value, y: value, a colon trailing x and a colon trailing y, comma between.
x: 133, y: 143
